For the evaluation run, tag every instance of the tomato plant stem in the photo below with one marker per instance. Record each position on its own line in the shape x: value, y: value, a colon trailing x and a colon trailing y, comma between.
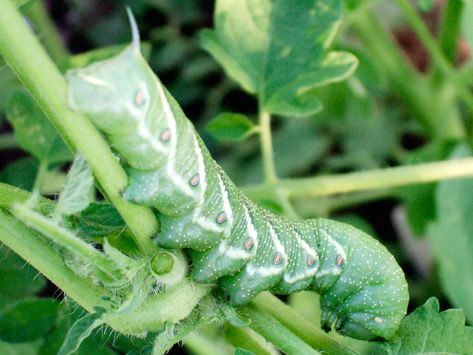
x: 431, y: 106
x: 22, y: 51
x: 46, y: 30
x: 40, y: 175
x: 41, y: 255
x: 275, y: 332
x: 305, y: 330
x: 246, y: 338
x: 267, y: 147
x: 64, y: 238
x: 367, y: 180
x: 10, y: 194
x: 442, y: 61
x: 450, y: 29
x: 199, y: 343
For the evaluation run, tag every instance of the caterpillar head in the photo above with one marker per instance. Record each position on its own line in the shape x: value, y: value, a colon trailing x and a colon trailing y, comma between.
x: 114, y: 93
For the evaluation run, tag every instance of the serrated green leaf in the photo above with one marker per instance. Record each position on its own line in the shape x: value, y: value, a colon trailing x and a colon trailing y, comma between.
x: 33, y: 130
x: 426, y: 331
x: 79, y: 191
x: 278, y: 50
x: 228, y: 127
x: 68, y: 315
x: 451, y: 238
x: 79, y: 331
x: 28, y: 320
x: 173, y: 334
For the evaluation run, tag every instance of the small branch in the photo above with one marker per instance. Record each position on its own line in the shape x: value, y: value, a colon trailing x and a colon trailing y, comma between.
x: 424, y: 35
x: 367, y: 180
x: 435, y: 51
x: 22, y: 51
x: 40, y: 175
x: 43, y: 257
x: 324, y: 206
x: 11, y: 194
x: 64, y: 238
x: 47, y: 32
x: 275, y: 332
x: 305, y: 330
x: 414, y: 89
x: 450, y: 29
x: 246, y: 338
x: 267, y: 147
x: 199, y: 343
x: 171, y: 306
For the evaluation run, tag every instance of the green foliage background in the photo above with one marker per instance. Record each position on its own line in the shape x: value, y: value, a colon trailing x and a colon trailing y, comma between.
x: 408, y: 102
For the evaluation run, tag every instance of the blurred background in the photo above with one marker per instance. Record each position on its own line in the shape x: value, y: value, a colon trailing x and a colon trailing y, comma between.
x: 373, y: 120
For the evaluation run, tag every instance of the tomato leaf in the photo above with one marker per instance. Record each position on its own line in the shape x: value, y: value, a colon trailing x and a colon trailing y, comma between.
x: 33, y: 130
x: 228, y: 127
x: 426, y: 331
x: 28, y: 320
x: 451, y: 239
x: 79, y: 331
x: 278, y: 50
x: 78, y: 192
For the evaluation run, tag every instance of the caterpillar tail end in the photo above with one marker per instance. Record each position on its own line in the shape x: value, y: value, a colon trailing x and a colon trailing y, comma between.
x: 359, y: 325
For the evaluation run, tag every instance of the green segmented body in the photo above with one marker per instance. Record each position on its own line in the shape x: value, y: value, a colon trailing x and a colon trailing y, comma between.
x: 245, y: 247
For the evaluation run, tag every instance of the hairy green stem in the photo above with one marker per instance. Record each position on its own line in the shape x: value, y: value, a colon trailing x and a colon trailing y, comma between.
x: 33, y: 66
x: 267, y: 147
x: 151, y: 315
x: 64, y: 238
x: 367, y: 180
x: 42, y: 256
x: 275, y: 332
x: 11, y: 194
x: 171, y: 306
x: 305, y: 330
x: 46, y: 31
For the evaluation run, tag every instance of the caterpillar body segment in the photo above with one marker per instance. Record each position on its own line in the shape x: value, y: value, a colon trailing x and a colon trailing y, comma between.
x: 232, y: 240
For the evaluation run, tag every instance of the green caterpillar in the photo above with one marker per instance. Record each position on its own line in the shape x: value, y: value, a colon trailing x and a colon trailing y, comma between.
x: 232, y: 240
